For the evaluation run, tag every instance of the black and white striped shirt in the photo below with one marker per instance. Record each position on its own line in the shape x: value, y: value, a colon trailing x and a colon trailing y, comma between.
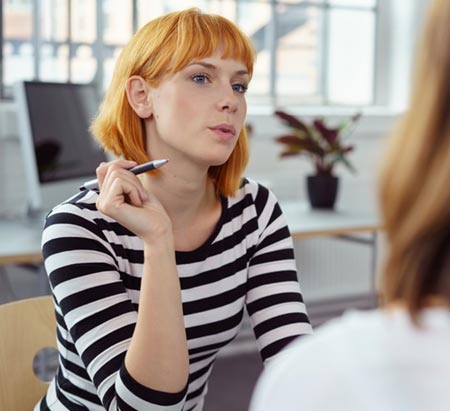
x: 95, y: 267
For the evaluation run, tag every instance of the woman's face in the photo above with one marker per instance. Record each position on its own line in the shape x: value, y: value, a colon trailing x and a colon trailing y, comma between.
x: 198, y: 112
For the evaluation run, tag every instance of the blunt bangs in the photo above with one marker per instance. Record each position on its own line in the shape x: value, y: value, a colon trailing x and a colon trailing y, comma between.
x: 199, y: 35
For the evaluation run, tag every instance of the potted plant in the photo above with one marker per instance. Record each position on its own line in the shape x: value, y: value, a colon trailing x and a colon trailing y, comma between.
x: 325, y: 146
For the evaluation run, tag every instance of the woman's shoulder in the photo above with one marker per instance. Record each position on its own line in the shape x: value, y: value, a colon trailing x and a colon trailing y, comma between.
x: 308, y: 367
x: 365, y: 333
x: 248, y: 185
x: 79, y: 211
x: 80, y: 203
x: 79, y: 214
x: 254, y: 192
x: 336, y: 334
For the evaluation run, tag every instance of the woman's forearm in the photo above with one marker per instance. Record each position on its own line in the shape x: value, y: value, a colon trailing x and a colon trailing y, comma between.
x: 158, y: 356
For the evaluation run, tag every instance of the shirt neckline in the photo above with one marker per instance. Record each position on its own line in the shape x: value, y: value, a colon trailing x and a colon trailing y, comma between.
x: 203, y: 247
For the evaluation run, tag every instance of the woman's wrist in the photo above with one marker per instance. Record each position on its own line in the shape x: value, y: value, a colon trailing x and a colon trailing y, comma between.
x: 156, y: 246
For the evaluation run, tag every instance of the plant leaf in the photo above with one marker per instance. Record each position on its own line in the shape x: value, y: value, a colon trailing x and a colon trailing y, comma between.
x: 322, y: 143
x: 330, y: 135
x: 340, y: 157
x: 297, y: 145
x: 288, y: 139
x: 288, y: 153
x: 347, y: 149
x: 350, y: 122
x: 292, y: 121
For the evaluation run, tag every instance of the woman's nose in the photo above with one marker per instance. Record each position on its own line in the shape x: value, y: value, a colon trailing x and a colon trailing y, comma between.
x: 228, y: 101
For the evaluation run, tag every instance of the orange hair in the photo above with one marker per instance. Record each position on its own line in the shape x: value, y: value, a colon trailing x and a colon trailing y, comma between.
x: 415, y: 180
x: 166, y: 45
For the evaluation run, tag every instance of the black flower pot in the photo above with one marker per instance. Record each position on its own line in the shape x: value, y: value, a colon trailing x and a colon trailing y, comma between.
x: 322, y: 190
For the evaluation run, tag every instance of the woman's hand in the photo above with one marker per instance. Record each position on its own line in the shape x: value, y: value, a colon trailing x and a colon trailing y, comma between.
x: 124, y: 198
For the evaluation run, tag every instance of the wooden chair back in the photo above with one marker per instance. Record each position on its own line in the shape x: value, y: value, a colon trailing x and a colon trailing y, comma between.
x: 26, y: 327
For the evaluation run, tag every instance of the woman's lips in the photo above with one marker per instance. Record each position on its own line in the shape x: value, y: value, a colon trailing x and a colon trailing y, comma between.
x: 224, y: 131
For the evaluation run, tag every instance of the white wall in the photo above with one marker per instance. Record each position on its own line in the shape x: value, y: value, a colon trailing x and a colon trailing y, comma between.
x: 12, y: 177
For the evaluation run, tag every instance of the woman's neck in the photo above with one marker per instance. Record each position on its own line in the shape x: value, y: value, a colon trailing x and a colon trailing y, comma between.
x: 192, y: 203
x: 184, y: 196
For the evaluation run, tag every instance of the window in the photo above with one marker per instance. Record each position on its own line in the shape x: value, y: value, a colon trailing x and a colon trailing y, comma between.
x: 319, y: 52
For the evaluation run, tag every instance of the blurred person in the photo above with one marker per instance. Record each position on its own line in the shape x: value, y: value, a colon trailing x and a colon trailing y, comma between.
x: 397, y: 357
x: 151, y: 274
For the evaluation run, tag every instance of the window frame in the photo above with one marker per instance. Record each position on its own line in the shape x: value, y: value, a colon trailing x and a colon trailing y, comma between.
x: 392, y: 67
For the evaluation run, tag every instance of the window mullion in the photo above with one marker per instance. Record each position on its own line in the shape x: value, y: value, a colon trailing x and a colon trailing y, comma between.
x: 375, y: 89
x: 324, y: 53
x: 271, y: 38
x: 69, y: 40
x: 383, y: 44
x: 134, y: 15
x: 36, y: 39
x: 99, y: 44
x: 2, y: 83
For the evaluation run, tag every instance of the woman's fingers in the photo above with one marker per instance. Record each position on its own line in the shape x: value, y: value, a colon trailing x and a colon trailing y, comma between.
x: 104, y: 168
x: 119, y: 193
x: 123, y: 198
x: 119, y: 186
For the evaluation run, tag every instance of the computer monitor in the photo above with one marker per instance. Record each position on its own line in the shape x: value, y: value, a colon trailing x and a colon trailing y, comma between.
x: 58, y: 151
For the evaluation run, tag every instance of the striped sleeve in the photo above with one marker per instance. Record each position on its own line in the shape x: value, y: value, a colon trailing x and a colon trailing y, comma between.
x: 96, y: 312
x: 274, y: 299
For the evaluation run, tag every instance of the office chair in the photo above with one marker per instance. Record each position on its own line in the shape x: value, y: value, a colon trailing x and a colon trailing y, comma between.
x: 26, y: 327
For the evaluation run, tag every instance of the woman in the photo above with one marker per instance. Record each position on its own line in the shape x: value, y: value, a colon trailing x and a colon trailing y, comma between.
x: 150, y: 275
x: 398, y: 357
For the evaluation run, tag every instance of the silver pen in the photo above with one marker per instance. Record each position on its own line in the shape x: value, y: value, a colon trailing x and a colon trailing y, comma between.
x: 139, y: 169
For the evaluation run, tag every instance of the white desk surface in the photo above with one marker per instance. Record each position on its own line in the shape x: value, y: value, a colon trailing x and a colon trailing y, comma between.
x: 306, y: 222
x: 20, y: 239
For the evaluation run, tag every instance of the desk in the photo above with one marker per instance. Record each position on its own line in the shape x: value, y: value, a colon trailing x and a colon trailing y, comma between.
x: 20, y: 243
x: 305, y: 222
x: 20, y: 240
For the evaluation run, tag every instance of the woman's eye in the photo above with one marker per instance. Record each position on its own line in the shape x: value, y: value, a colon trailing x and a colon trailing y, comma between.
x: 240, y: 88
x: 200, y: 78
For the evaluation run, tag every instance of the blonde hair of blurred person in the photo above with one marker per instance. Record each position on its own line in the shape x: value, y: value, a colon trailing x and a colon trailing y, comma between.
x: 397, y: 357
x: 415, y: 179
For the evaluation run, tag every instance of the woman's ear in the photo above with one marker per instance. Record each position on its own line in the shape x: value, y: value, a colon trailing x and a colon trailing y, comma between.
x: 138, y: 94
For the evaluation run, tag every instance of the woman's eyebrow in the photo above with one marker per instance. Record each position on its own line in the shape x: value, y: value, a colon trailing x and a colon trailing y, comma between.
x: 213, y: 67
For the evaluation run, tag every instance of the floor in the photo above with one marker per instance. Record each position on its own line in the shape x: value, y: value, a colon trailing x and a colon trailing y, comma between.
x: 232, y: 382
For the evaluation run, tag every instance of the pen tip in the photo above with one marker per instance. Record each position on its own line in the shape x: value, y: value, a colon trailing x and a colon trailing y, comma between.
x: 159, y: 163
